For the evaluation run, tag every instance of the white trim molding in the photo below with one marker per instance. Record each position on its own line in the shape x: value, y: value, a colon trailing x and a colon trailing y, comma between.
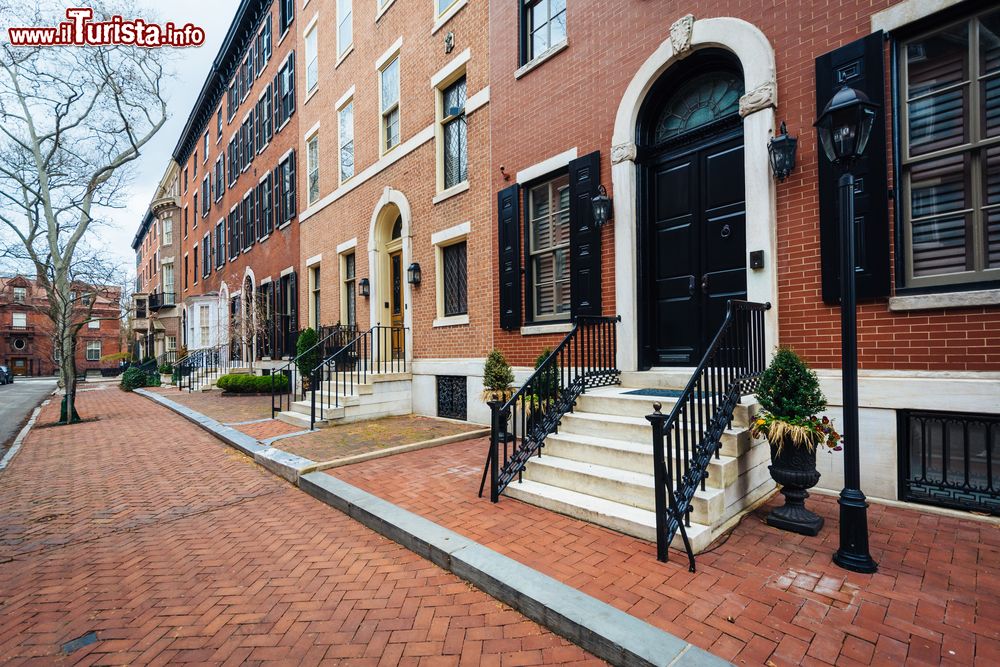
x: 315, y: 259
x: 389, y: 53
x: 450, y: 192
x: 448, y: 70
x: 345, y: 97
x: 311, y: 131
x: 906, y: 12
x: 448, y: 13
x: 540, y: 329
x: 347, y: 245
x: 477, y: 101
x: 546, y: 166
x: 558, y: 47
x: 287, y: 271
x: 445, y: 235
x: 756, y: 56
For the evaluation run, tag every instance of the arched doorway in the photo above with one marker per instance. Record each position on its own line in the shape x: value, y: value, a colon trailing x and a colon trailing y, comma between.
x: 390, y: 293
x: 691, y: 255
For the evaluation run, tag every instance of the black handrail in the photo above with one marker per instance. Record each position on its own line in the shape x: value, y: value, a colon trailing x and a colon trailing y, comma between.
x: 584, y: 359
x: 194, y: 370
x: 686, y: 440
x: 333, y: 338
x: 380, y: 350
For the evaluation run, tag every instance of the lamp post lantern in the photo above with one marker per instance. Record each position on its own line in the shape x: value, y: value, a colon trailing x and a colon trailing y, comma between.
x: 844, y: 128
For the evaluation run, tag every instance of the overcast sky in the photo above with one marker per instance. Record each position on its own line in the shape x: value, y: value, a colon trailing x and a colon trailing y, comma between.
x: 191, y: 66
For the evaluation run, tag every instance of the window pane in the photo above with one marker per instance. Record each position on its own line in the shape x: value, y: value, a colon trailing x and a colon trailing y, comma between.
x: 557, y: 29
x: 392, y: 128
x: 989, y: 43
x: 938, y: 61
x: 443, y: 5
x: 455, y: 152
x: 347, y: 142
x: 455, y: 279
x: 938, y: 121
x: 539, y: 41
x: 938, y: 195
x: 344, y: 27
x: 313, y: 169
x: 390, y: 84
x: 312, y: 60
x: 991, y: 199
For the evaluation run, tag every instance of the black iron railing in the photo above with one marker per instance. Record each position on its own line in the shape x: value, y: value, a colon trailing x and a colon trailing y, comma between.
x: 158, y: 300
x: 686, y: 440
x: 331, y: 340
x: 519, y: 426
x: 380, y: 350
x: 203, y: 366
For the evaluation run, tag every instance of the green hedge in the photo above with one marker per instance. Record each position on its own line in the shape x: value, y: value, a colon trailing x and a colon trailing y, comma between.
x: 252, y: 384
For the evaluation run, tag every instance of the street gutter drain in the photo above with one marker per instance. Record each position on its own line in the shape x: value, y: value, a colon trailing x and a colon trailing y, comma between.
x: 80, y: 642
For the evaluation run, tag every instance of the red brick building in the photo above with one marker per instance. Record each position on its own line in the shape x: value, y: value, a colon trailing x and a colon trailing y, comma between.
x: 238, y: 205
x: 674, y: 105
x: 26, y: 330
x: 395, y: 146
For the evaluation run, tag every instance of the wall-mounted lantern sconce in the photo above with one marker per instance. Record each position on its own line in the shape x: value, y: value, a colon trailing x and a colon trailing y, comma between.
x: 781, y: 149
x: 364, y: 287
x: 413, y: 274
x: 602, y: 206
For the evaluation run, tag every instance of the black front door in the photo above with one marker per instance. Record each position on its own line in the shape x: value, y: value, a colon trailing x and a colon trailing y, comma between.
x: 695, y: 241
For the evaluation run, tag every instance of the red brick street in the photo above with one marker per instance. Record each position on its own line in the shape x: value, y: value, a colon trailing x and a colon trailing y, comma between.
x: 180, y: 550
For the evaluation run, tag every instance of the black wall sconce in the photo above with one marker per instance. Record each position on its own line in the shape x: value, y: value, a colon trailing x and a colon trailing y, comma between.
x: 413, y: 274
x: 601, y: 203
x: 781, y: 149
x: 364, y: 287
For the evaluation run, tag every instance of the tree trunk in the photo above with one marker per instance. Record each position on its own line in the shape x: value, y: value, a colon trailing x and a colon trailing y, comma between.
x: 68, y: 414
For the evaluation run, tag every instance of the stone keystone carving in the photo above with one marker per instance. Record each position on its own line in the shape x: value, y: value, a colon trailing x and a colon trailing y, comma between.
x: 680, y: 33
x: 761, y: 97
x: 622, y: 152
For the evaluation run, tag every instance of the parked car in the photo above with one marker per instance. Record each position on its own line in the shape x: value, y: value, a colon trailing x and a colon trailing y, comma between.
x: 6, y: 376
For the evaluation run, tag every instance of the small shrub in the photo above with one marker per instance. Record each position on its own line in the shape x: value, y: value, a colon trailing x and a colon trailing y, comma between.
x: 307, y: 362
x: 153, y: 380
x: 547, y: 382
x: 789, y: 389
x: 133, y: 378
x: 167, y: 369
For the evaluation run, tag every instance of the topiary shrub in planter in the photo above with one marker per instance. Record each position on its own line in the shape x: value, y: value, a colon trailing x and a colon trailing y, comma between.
x: 790, y: 398
x: 307, y: 360
x: 166, y: 369
x: 498, y: 378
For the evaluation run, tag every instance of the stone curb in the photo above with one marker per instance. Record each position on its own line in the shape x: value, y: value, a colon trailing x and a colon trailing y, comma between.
x: 401, y: 449
x: 608, y: 633
x: 15, y: 446
x: 281, y: 463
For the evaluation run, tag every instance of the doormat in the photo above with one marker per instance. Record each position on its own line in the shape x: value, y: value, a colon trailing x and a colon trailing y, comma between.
x: 662, y: 393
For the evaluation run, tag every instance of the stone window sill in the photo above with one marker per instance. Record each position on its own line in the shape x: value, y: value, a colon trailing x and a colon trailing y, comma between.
x: 541, y: 58
x: 453, y: 321
x: 448, y: 13
x: 450, y: 192
x: 540, y: 329
x: 990, y: 297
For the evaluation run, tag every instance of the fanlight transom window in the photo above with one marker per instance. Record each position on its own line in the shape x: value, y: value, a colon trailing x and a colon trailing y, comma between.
x: 700, y: 101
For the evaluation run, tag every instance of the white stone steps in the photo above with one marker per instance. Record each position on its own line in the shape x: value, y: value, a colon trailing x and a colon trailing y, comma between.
x: 617, y: 401
x: 624, y: 486
x: 637, y: 429
x: 297, y: 419
x: 616, y: 516
x: 625, y: 455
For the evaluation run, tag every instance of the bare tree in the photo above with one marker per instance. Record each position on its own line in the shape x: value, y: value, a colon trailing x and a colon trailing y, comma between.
x: 72, y: 120
x: 248, y: 327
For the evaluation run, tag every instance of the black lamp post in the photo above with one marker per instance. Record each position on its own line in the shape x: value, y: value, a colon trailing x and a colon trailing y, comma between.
x: 844, y: 128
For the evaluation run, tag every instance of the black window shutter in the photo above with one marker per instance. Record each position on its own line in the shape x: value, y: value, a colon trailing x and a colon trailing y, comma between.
x: 509, y: 220
x: 584, y: 236
x: 860, y: 65
x: 291, y: 84
x: 292, y: 184
x: 276, y: 103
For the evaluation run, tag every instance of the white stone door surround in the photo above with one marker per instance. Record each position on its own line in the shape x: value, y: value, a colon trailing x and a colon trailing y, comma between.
x: 756, y: 57
x: 378, y: 269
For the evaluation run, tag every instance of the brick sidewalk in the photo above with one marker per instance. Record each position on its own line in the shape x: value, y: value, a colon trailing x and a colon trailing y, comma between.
x: 761, y: 597
x: 173, y: 548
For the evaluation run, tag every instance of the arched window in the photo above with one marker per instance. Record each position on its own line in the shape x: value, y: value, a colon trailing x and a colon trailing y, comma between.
x: 397, y: 228
x: 700, y: 101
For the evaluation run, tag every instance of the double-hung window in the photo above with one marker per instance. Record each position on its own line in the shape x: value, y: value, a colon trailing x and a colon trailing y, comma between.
x: 285, y: 81
x: 455, y: 279
x: 206, y: 195
x: 548, y: 249
x: 950, y: 153
x: 20, y: 294
x: 220, y: 244
x: 19, y: 320
x: 287, y: 14
x: 266, y: 206
x: 543, y: 25
x: 220, y: 177
x: 286, y: 189
x: 312, y: 166
x: 264, y: 45
x: 349, y: 301
x: 168, y: 284
x: 249, y: 232
x: 389, y: 93
x: 234, y: 232
x: 454, y: 137
x: 93, y: 350
x: 232, y: 99
x: 168, y: 231
x: 345, y: 123
x: 206, y: 254
x: 344, y: 26
x: 218, y: 125
x: 205, y: 146
x: 312, y: 58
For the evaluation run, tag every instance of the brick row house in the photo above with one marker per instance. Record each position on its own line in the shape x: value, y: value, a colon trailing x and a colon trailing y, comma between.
x: 156, y: 317
x: 237, y: 269
x: 26, y: 330
x: 439, y: 170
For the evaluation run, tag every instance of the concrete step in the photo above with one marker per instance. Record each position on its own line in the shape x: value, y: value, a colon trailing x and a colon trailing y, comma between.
x: 622, y: 486
x: 617, y: 401
x: 660, y: 378
x: 637, y: 429
x: 625, y: 455
x: 615, y: 516
x: 297, y: 419
x: 327, y: 410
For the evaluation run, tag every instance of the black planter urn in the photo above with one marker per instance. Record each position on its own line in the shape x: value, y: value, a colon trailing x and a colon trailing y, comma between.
x: 795, y: 469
